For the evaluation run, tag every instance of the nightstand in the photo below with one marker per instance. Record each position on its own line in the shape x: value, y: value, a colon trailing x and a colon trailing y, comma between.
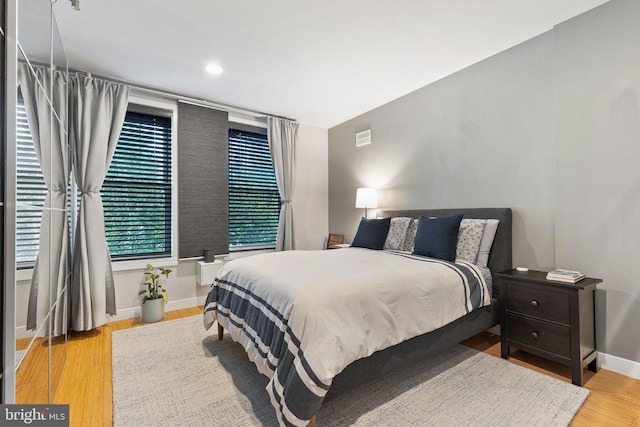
x: 550, y: 319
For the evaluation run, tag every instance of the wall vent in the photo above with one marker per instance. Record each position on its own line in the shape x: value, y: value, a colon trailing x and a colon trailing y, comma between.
x: 363, y: 138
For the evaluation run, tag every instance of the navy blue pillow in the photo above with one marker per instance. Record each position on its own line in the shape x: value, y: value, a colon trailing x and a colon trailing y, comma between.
x: 438, y: 237
x: 371, y: 233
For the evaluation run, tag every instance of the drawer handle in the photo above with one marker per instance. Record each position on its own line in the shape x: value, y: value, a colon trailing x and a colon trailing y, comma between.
x: 534, y: 335
x: 534, y: 303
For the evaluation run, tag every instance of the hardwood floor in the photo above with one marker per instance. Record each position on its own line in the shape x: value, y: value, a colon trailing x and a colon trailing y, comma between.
x: 31, y: 385
x: 86, y: 381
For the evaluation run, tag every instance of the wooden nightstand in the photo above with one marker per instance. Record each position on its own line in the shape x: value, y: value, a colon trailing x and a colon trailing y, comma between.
x: 550, y: 319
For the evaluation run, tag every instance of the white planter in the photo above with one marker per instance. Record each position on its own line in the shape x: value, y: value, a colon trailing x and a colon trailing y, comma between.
x: 153, y: 310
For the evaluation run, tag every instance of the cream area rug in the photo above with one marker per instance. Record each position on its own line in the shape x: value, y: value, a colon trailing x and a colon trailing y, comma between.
x: 175, y: 373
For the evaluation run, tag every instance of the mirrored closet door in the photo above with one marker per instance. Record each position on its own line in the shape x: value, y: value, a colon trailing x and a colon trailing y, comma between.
x: 42, y: 200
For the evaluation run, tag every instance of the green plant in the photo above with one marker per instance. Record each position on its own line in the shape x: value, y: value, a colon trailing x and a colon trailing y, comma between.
x: 153, y: 288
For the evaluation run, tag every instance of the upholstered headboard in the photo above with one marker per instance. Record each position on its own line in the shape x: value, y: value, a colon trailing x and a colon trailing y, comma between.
x: 500, y: 258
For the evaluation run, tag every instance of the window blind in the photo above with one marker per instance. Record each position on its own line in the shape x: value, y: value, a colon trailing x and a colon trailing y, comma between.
x: 30, y: 192
x: 203, y: 135
x: 136, y: 192
x: 254, y: 202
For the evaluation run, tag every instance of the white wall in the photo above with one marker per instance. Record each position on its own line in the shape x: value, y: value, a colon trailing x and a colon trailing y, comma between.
x: 310, y: 195
x: 310, y: 229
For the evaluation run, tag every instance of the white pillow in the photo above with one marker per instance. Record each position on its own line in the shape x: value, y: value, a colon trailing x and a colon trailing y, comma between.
x: 490, y: 228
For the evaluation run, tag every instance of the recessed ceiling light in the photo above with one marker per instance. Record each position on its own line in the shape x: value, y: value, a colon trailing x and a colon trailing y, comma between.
x: 214, y: 69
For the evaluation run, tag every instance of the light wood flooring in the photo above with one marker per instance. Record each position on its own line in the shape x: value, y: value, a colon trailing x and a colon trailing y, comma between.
x: 86, y: 381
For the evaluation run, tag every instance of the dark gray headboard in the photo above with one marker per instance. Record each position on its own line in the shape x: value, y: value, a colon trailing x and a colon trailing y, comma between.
x: 500, y: 258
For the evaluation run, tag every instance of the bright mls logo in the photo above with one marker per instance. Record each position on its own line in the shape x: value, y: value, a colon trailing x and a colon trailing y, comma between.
x: 35, y: 415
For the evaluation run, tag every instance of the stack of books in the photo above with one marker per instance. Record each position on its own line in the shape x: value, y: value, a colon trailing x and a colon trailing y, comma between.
x: 568, y: 276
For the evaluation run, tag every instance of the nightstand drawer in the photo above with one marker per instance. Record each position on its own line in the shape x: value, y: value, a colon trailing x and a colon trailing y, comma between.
x: 542, y: 335
x: 546, y: 305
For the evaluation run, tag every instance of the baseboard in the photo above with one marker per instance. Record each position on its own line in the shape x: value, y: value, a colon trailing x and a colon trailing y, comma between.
x: 619, y: 365
x: 21, y: 332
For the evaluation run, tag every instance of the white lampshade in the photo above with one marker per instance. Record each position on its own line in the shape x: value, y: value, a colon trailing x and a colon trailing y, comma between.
x: 366, y: 198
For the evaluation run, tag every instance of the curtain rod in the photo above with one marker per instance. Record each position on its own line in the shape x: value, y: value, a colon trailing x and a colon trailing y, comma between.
x: 180, y: 97
x: 176, y: 96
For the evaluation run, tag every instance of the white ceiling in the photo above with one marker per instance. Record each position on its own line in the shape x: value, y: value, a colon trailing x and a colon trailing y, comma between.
x: 320, y: 62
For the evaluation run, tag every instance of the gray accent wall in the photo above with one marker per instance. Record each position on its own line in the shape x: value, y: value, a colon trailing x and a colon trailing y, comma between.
x: 550, y: 128
x: 597, y: 140
x: 479, y: 138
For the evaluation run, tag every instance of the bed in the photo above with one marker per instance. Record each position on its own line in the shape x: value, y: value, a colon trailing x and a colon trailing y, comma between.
x: 316, y: 322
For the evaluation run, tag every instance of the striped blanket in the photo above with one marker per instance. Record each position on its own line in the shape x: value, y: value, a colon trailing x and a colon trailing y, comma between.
x: 303, y: 316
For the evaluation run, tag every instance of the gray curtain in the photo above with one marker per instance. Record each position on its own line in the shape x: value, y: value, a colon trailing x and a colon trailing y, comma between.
x: 50, y: 142
x: 283, y: 136
x: 98, y: 109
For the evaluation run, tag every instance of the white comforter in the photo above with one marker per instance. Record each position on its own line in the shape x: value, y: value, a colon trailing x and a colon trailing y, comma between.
x: 337, y: 306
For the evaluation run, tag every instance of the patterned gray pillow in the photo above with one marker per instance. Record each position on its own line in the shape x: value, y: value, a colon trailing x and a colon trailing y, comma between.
x: 469, y: 239
x: 397, y: 233
x: 410, y: 237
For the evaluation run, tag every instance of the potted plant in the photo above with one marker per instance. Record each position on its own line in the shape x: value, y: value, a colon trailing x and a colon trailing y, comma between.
x: 154, y: 296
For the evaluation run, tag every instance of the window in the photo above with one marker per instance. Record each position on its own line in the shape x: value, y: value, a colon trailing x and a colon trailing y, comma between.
x: 30, y: 192
x: 137, y: 191
x: 254, y: 202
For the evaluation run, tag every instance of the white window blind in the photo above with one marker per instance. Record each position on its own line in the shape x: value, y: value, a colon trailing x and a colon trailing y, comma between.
x: 254, y: 202
x: 136, y: 192
x: 30, y: 192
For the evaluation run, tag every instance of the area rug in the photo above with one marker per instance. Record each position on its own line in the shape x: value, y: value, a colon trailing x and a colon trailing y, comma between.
x: 174, y: 373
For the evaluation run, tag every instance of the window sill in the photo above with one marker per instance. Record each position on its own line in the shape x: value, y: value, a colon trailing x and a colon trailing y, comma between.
x: 141, y: 264
x: 24, y: 275
x: 251, y: 248
x: 242, y: 253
